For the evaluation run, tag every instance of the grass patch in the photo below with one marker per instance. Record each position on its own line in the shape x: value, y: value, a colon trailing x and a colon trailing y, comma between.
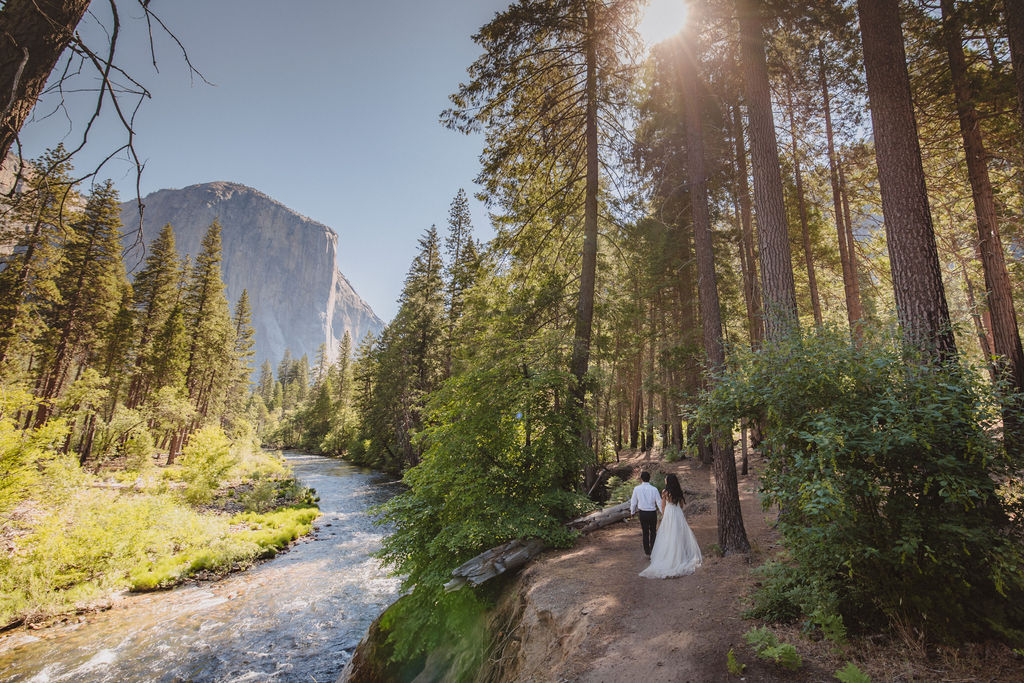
x: 106, y: 535
x: 251, y: 536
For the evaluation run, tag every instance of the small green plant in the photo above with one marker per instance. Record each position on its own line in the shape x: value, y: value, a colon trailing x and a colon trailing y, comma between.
x: 672, y: 454
x: 767, y: 646
x: 138, y: 451
x: 619, y: 491
x: 852, y: 674
x: 735, y: 667
x: 831, y: 625
x: 206, y: 460
x: 261, y: 497
x: 714, y: 549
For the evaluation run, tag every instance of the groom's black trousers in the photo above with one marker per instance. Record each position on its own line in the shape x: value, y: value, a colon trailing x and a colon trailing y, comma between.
x: 649, y: 527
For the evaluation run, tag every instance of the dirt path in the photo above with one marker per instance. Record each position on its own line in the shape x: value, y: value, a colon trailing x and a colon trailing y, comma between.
x: 613, y: 626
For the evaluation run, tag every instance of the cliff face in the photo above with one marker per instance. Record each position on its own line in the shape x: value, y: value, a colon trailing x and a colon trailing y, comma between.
x: 286, y: 261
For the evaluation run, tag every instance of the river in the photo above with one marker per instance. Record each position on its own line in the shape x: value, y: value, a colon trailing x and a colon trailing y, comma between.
x: 295, y: 618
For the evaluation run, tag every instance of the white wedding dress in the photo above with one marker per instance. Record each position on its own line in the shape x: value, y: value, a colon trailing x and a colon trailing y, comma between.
x: 675, y: 551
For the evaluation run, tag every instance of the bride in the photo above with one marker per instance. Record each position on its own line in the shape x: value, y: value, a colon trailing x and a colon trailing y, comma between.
x: 675, y: 552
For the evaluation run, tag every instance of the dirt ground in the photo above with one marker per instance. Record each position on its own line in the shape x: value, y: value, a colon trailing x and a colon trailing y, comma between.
x: 605, y: 624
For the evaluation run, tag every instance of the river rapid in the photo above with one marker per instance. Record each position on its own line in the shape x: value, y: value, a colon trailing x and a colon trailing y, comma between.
x: 294, y: 618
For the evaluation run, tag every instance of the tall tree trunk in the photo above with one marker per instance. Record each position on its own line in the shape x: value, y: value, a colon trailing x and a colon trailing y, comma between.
x: 1014, y: 10
x: 777, y: 284
x: 851, y: 288
x: 851, y: 243
x: 801, y: 203
x: 1005, y: 334
x: 748, y: 258
x: 913, y: 259
x: 732, y: 537
x: 637, y: 402
x: 33, y: 35
x: 588, y: 275
x: 649, y: 425
x: 979, y: 327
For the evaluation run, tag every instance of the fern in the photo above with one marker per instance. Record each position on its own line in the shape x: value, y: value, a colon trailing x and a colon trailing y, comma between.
x: 852, y: 674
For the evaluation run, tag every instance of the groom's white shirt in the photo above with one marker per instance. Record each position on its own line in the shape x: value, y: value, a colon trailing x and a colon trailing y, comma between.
x: 645, y: 497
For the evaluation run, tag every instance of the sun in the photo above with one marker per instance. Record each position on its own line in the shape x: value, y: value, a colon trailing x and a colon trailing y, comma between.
x: 662, y: 19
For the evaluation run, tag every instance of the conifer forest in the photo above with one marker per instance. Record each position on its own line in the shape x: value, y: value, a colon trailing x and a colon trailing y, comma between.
x: 785, y: 242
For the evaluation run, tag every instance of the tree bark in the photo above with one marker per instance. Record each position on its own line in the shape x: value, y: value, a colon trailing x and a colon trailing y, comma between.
x: 851, y: 288
x: 777, y: 284
x: 732, y: 537
x: 1005, y: 334
x: 33, y: 35
x: 979, y: 327
x: 914, y: 262
x: 801, y: 203
x: 851, y: 243
x: 588, y: 275
x: 1014, y: 10
x: 748, y: 258
x: 634, y: 414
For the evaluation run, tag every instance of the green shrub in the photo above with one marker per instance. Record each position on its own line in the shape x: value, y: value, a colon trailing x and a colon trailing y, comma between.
x: 672, y: 454
x: 205, y: 461
x: 513, y: 456
x: 884, y: 472
x: 767, y: 646
x: 31, y: 462
x: 261, y: 497
x: 139, y: 451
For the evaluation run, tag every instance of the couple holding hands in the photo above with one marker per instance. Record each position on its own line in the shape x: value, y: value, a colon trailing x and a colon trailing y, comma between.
x: 671, y: 547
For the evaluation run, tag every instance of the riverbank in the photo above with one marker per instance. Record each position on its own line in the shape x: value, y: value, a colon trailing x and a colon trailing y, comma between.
x: 585, y: 615
x: 297, y: 616
x: 118, y: 530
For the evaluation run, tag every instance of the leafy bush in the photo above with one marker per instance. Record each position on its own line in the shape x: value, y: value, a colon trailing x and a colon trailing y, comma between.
x: 30, y: 460
x: 767, y: 646
x: 513, y: 457
x: 884, y: 473
x: 261, y: 497
x: 139, y: 451
x: 672, y: 454
x: 205, y: 461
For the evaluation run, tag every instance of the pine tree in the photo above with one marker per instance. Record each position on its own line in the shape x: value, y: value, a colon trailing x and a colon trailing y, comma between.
x: 208, y: 320
x: 341, y: 371
x: 266, y: 383
x: 777, y: 283
x: 459, y: 247
x: 548, y: 91
x: 90, y: 285
x: 156, y: 288
x: 732, y: 536
x: 243, y: 335
x: 914, y: 263
x: 27, y: 279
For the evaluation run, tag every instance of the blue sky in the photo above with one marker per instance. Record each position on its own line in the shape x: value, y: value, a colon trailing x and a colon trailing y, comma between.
x: 330, y: 107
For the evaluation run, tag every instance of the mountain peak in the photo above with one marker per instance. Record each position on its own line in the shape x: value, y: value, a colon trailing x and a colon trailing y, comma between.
x: 286, y: 261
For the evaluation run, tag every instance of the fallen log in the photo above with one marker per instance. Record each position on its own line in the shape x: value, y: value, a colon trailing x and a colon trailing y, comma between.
x: 516, y: 553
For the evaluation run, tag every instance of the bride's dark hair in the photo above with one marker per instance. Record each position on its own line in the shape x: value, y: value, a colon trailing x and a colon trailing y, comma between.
x: 674, y: 490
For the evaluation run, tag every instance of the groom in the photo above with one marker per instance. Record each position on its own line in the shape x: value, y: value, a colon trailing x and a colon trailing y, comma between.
x: 647, y: 500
